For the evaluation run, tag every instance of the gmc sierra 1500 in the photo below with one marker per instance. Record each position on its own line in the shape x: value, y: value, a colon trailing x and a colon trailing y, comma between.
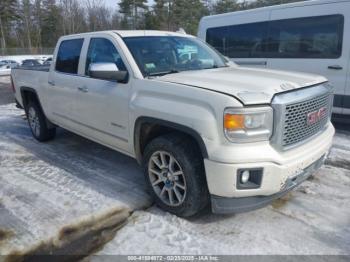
x: 205, y: 130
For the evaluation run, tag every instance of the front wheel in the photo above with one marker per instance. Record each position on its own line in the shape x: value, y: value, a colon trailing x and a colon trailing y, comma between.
x: 173, y: 167
x: 38, y: 123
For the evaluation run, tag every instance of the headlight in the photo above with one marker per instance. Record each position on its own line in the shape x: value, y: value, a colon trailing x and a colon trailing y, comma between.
x: 248, y: 124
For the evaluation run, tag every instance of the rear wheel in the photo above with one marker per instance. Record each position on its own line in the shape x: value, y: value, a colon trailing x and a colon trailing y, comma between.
x: 38, y: 123
x: 173, y: 167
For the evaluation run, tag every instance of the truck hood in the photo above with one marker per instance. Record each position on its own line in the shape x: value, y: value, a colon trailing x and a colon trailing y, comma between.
x: 249, y: 85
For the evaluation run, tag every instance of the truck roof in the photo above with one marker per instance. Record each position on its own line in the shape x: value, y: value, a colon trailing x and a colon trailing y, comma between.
x: 129, y: 33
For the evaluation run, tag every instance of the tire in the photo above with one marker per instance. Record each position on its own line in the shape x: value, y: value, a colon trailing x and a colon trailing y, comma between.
x: 38, y: 123
x: 180, y: 187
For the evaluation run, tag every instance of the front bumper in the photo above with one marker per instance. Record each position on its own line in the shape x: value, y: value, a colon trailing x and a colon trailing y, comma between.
x: 279, y: 171
x: 224, y: 205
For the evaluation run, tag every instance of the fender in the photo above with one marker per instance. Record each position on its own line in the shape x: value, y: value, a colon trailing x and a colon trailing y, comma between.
x: 150, y: 120
x: 31, y: 90
x: 24, y: 101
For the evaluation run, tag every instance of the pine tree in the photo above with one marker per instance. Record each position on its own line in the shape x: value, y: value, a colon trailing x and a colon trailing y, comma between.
x: 161, y: 14
x: 8, y: 13
x: 51, y: 17
x: 131, y: 10
x: 262, y: 3
x: 186, y: 14
x: 225, y: 6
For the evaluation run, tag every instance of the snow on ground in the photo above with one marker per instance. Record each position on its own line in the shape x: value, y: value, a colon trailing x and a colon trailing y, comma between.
x: 69, y: 184
x: 313, y: 219
x: 340, y: 152
x: 53, y: 193
x: 6, y: 95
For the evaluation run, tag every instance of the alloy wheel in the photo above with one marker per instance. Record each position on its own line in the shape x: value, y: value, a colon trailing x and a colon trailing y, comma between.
x: 34, y: 122
x: 167, y: 178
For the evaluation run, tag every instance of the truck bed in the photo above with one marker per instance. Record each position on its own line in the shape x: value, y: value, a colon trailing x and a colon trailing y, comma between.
x: 44, y: 68
x: 34, y: 77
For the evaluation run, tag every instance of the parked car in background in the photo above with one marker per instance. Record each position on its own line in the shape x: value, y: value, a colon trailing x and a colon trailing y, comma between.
x: 310, y: 36
x: 6, y: 65
x: 48, y: 61
x: 202, y: 128
x: 30, y: 62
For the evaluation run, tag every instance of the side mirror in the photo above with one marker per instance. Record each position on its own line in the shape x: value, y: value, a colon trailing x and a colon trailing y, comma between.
x: 107, y: 71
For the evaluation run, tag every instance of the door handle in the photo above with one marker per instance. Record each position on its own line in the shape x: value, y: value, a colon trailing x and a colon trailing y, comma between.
x: 51, y: 83
x: 335, y: 67
x: 251, y: 63
x: 83, y: 89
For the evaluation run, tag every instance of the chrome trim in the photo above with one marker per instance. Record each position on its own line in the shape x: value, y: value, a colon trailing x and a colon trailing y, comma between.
x: 117, y: 125
x: 280, y: 103
x: 250, y: 63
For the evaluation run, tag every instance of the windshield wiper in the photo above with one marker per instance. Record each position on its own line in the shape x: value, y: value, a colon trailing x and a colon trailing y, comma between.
x: 172, y: 71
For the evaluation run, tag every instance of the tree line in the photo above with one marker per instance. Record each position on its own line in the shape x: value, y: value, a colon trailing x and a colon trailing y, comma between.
x: 36, y: 24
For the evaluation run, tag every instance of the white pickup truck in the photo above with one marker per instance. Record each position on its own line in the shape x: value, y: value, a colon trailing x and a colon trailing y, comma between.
x: 205, y: 130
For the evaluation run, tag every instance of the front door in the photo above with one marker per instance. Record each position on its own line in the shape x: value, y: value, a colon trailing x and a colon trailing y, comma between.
x: 101, y: 106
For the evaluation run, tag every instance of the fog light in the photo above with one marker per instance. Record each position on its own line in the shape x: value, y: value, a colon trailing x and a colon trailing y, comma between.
x: 245, y: 176
x: 249, y: 178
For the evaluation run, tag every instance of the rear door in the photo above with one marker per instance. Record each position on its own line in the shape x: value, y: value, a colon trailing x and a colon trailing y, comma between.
x: 63, y: 81
x: 241, y: 36
x: 312, y: 39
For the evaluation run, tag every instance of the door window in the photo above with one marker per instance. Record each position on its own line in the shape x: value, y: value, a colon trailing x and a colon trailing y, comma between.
x: 239, y: 41
x: 67, y: 60
x: 102, y: 50
x: 310, y: 37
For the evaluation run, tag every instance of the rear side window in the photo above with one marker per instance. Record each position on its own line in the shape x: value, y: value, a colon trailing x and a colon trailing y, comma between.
x: 67, y: 60
x: 308, y: 37
x: 243, y: 41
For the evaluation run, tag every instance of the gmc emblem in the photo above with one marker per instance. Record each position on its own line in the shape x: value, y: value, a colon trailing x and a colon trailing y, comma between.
x: 314, y: 117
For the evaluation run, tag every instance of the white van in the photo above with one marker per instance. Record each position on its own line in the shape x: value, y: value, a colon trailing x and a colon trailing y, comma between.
x: 310, y: 36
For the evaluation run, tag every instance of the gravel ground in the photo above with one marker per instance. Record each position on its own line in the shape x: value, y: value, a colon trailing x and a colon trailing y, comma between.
x: 48, y: 191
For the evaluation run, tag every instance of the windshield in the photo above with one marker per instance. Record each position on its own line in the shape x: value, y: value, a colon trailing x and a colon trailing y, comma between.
x: 160, y: 55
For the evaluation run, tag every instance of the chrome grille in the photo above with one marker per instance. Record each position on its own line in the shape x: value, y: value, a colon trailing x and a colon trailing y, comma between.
x: 291, y: 111
x: 296, y: 128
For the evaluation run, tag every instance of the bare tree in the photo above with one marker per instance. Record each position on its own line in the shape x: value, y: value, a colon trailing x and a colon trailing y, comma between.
x: 73, y: 17
x: 38, y: 21
x: 98, y: 15
x: 26, y: 12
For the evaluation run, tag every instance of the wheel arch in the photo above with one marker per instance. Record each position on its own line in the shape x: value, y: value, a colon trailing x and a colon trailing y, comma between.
x: 27, y: 93
x: 147, y: 128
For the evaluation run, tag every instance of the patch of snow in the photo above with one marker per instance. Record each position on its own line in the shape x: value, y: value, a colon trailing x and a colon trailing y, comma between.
x: 314, y: 219
x: 66, y: 183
